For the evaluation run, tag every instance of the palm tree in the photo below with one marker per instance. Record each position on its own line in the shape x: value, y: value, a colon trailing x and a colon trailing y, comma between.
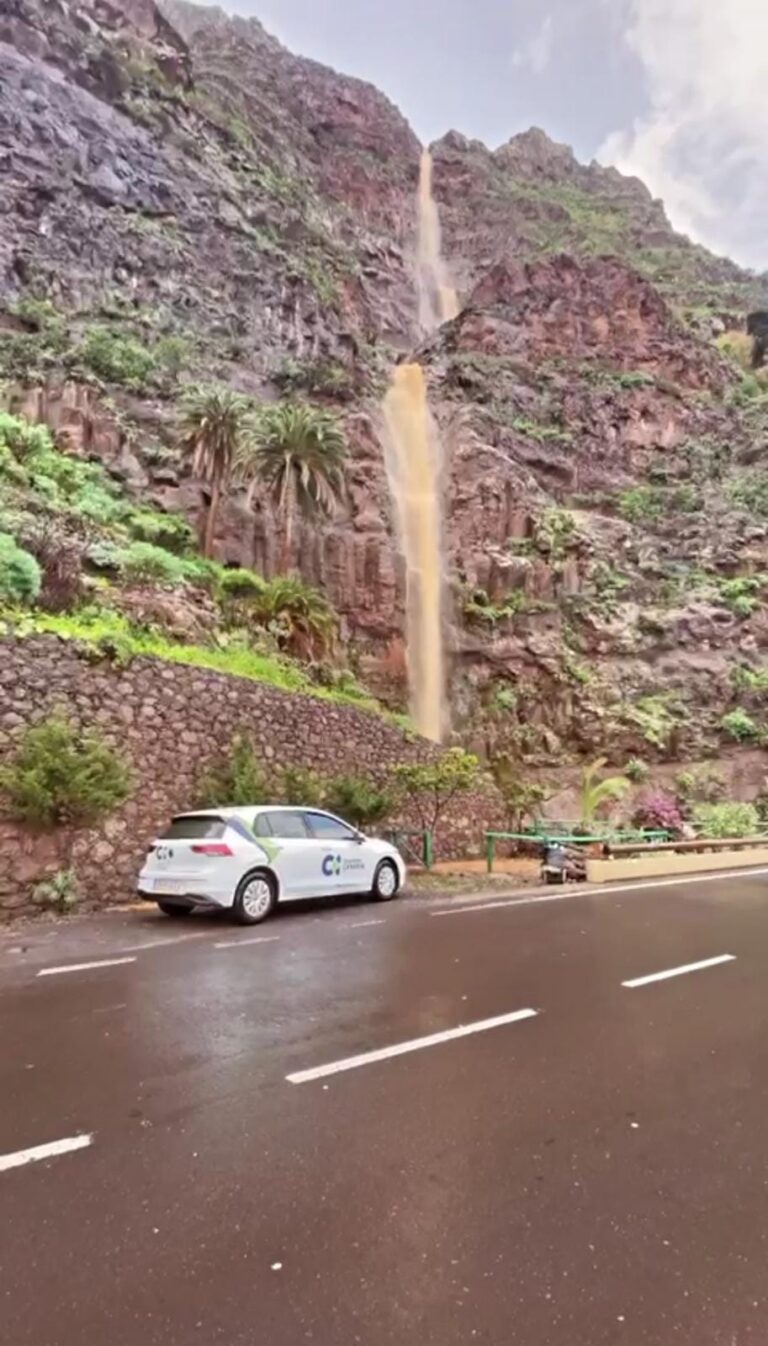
x: 301, y: 618
x: 297, y: 452
x: 595, y: 793
x: 214, y: 424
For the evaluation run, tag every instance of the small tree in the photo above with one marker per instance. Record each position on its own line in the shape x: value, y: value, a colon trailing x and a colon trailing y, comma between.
x: 431, y: 786
x: 302, y: 788
x: 358, y: 800
x: 522, y: 798
x: 238, y: 778
x: 63, y: 778
x: 595, y: 794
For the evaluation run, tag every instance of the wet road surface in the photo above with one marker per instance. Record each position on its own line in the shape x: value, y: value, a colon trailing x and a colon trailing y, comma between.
x: 279, y: 1135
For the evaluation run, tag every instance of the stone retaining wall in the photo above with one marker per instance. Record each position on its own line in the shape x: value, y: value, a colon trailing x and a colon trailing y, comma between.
x: 169, y: 721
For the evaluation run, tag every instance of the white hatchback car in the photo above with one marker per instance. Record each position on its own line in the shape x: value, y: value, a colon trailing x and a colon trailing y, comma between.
x: 249, y: 859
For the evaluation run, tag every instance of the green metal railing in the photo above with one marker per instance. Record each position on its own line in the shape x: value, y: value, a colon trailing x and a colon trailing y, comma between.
x: 415, y: 846
x: 550, y: 836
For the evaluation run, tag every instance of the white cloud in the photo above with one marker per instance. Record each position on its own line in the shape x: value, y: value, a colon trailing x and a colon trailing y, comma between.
x: 703, y: 144
x: 537, y: 52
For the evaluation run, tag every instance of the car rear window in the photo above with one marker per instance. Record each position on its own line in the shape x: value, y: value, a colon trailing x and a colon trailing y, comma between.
x: 195, y: 827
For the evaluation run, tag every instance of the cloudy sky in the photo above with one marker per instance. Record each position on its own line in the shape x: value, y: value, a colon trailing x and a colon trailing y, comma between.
x: 673, y: 90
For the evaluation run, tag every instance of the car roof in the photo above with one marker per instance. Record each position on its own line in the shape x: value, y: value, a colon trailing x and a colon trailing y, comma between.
x: 232, y: 812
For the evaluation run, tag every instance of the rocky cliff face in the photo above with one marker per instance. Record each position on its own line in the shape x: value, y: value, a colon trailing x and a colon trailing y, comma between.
x: 176, y: 176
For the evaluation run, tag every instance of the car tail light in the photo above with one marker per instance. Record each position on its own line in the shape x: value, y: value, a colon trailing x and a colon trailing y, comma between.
x: 212, y: 848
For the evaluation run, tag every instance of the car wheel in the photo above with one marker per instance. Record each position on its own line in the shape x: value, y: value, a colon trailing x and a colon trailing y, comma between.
x: 386, y: 882
x: 255, y: 898
x: 174, y: 909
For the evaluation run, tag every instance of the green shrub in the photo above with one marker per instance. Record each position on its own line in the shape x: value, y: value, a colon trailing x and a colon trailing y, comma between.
x: 22, y: 438
x: 172, y: 354
x: 701, y: 785
x: 737, y: 346
x: 749, y: 490
x: 741, y: 594
x: 300, y: 786
x: 62, y: 777
x: 635, y: 378
x: 30, y: 354
x: 59, y: 480
x: 637, y: 770
x: 321, y: 377
x: 655, y: 716
x: 543, y: 434
x: 358, y: 800
x: 241, y: 584
x: 20, y: 575
x: 642, y: 504
x: 169, y: 531
x: 729, y: 819
x: 555, y: 532
x: 142, y: 562
x: 118, y: 359
x: 479, y: 608
x: 739, y: 725
x: 202, y: 572
x: 238, y: 778
x: 59, y: 893
x: 752, y: 680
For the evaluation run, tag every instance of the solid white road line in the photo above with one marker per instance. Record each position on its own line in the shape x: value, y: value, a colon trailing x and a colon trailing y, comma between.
x: 83, y: 967
x: 241, y: 943
x: 680, y: 971
x: 415, y: 1045
x: 601, y: 889
x: 50, y: 1151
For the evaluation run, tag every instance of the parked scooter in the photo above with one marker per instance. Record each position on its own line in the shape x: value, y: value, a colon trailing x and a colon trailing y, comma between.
x: 562, y: 863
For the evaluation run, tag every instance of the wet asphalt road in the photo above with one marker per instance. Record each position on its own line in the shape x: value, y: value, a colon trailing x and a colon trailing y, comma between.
x: 595, y: 1173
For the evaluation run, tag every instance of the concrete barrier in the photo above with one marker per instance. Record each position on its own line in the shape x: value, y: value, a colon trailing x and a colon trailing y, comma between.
x: 670, y: 862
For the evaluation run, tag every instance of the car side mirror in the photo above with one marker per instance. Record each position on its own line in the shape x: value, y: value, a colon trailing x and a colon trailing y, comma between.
x: 359, y: 838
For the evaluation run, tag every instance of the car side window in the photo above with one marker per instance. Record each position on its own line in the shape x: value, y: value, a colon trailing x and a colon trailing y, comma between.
x: 262, y: 826
x: 288, y: 825
x: 326, y: 828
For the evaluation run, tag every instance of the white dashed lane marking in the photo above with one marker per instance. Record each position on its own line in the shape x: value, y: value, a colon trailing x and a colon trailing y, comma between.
x: 50, y: 1151
x: 680, y: 971
x: 241, y: 943
x: 83, y: 967
x: 414, y: 1045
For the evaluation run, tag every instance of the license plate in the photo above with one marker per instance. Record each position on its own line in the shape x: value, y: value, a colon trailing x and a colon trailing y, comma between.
x: 162, y: 886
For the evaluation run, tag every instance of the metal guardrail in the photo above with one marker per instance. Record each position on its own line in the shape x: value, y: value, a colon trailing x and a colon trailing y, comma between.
x: 551, y: 837
x: 700, y: 844
x: 416, y: 846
